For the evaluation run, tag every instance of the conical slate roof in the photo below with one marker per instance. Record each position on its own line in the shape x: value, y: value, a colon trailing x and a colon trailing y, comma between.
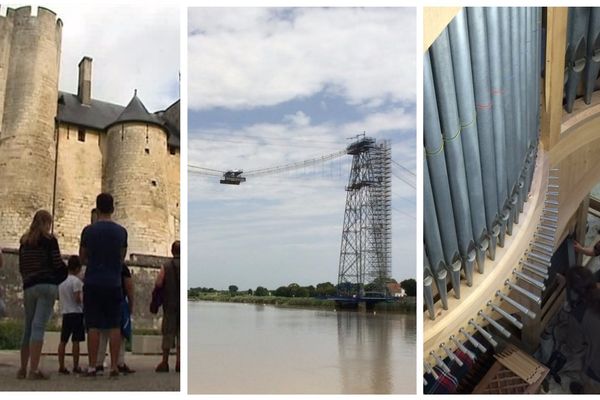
x: 136, y: 112
x: 101, y: 115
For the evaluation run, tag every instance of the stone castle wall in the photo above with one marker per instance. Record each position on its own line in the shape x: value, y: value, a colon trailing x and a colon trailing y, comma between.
x: 27, y: 142
x: 143, y: 272
x: 135, y: 172
x: 79, y: 180
x: 133, y: 163
x: 6, y: 28
x: 173, y: 195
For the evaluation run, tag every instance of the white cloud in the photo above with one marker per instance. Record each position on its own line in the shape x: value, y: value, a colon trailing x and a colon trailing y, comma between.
x: 248, y: 57
x: 133, y: 47
x: 299, y: 119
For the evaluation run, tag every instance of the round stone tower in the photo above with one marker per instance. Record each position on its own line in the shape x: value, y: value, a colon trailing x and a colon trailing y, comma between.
x: 135, y: 173
x: 29, y: 93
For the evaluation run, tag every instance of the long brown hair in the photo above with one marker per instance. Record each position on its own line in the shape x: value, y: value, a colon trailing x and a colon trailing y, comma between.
x: 37, y: 229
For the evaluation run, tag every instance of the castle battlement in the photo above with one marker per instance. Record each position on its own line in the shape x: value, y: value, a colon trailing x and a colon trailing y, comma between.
x: 44, y: 15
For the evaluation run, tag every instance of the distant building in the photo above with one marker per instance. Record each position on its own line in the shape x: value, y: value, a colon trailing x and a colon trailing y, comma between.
x: 395, y: 290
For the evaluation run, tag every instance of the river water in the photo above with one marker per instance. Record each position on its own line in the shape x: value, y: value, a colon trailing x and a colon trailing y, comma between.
x: 254, y: 349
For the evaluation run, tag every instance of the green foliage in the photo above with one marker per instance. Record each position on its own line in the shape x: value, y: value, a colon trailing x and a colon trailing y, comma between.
x: 410, y: 286
x: 267, y: 300
x: 261, y: 291
x: 11, y: 332
x: 233, y: 289
x: 406, y: 305
x: 195, y: 292
x: 283, y: 291
x: 325, y: 289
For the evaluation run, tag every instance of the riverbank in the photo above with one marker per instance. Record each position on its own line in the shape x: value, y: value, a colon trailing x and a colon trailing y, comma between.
x: 406, y: 305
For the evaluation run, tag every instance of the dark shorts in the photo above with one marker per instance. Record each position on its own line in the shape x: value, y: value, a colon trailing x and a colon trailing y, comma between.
x: 72, y: 325
x: 170, y: 330
x: 102, y: 307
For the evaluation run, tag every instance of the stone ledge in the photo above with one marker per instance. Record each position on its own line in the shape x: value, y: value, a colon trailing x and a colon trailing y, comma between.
x: 141, y: 344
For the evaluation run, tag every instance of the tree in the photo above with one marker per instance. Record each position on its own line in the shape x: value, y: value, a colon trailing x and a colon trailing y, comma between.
x: 325, y: 289
x: 261, y: 291
x: 233, y: 289
x: 302, y: 292
x: 294, y: 289
x: 282, y: 291
x: 409, y: 286
x: 249, y: 292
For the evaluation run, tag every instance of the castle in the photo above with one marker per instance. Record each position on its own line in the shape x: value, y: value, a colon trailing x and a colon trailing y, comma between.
x: 59, y: 150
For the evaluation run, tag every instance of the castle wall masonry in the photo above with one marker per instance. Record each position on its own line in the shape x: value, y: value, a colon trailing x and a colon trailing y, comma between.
x: 29, y: 106
x: 60, y: 164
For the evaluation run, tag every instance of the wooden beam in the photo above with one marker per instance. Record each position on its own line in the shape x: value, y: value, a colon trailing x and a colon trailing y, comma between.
x: 435, y: 19
x: 577, y: 156
x: 594, y: 203
x: 594, y: 213
x: 581, y: 227
x: 552, y: 110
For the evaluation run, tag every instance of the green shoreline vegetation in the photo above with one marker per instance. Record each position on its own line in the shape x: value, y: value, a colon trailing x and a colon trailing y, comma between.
x: 405, y: 305
x: 298, y: 296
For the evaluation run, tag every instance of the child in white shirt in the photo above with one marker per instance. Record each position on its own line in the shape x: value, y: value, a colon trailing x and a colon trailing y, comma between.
x: 70, y: 295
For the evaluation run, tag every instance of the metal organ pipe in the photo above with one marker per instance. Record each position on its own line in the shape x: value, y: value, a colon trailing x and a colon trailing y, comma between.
x: 441, y: 62
x: 483, y: 103
x: 593, y: 53
x: 576, y: 52
x: 433, y: 241
x: 507, y: 93
x: 434, y: 147
x: 481, y: 131
x: 463, y: 77
x: 493, y: 38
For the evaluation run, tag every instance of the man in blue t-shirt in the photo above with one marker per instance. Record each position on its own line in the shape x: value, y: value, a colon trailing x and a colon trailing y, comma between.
x: 102, y: 249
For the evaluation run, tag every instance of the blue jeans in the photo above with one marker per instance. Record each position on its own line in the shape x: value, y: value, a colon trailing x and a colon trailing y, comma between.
x: 39, y: 303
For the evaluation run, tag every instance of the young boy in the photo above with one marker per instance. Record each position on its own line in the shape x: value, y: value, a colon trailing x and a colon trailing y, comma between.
x: 70, y: 294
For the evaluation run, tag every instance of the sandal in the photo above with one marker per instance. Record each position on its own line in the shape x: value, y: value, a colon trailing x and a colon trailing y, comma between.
x: 21, y: 374
x: 77, y: 370
x: 162, y: 367
x: 89, y: 374
x: 38, y: 376
x: 124, y: 369
x: 64, y: 371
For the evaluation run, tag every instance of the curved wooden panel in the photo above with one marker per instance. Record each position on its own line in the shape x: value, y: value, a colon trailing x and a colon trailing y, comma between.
x: 474, y: 298
x: 577, y: 155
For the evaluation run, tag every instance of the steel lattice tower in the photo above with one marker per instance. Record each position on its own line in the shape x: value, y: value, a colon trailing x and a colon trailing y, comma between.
x: 365, y: 254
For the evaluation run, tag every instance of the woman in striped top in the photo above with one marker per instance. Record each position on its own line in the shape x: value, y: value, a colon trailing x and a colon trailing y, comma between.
x: 39, y: 261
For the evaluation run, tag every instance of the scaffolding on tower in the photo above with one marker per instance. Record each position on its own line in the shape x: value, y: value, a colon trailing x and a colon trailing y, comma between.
x: 365, y: 253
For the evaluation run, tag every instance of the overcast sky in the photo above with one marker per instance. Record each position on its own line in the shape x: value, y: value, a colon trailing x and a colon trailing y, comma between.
x: 272, y: 86
x: 133, y: 47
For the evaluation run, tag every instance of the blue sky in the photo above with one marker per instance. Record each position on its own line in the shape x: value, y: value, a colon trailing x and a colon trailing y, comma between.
x: 269, y: 87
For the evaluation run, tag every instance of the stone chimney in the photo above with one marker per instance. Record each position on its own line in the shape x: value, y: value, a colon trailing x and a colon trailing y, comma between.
x: 84, y: 88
